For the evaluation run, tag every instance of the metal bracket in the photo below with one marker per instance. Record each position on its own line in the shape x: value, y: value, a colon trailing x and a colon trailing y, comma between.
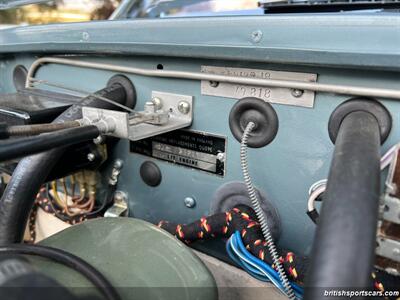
x: 166, y: 112
x: 388, y: 248
x: 391, y: 209
x: 120, y: 206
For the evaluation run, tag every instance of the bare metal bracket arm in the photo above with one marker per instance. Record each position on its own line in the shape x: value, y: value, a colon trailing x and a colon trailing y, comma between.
x: 290, y: 84
x: 166, y: 112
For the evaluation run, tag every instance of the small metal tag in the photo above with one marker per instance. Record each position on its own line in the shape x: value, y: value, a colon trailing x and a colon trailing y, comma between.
x: 194, y: 149
x: 268, y: 94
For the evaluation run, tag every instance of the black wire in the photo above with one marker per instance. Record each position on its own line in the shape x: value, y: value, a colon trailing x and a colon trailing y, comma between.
x: 69, y: 260
x: 18, y: 147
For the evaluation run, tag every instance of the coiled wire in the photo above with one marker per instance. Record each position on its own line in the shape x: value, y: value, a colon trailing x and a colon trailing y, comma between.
x: 260, y: 213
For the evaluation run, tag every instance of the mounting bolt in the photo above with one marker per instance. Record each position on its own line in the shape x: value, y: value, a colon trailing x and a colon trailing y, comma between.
x: 297, y: 93
x: 189, y: 202
x: 157, y: 103
x: 149, y: 107
x: 396, y: 251
x: 120, y: 196
x: 184, y: 107
x: 99, y: 140
x: 91, y: 157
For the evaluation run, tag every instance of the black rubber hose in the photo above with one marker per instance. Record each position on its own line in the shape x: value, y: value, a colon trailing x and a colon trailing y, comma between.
x: 32, y: 171
x: 344, y: 245
x: 16, y: 148
x: 69, y: 260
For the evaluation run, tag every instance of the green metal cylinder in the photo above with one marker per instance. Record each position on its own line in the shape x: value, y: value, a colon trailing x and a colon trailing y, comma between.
x: 140, y: 260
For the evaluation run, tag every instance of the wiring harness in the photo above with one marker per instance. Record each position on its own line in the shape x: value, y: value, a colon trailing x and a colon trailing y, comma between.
x: 239, y: 219
x: 255, y: 266
x: 84, y: 207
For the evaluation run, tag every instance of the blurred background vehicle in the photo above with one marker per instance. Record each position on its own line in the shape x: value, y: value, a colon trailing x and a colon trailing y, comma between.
x: 61, y: 11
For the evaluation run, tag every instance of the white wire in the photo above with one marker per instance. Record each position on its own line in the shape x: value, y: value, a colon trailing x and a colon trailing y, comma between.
x: 314, y: 195
x: 319, y: 187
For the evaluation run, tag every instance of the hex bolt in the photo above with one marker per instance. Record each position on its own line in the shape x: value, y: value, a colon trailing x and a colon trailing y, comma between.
x: 189, y: 202
x: 297, y: 93
x: 120, y: 196
x: 91, y: 157
x: 157, y: 102
x: 99, y: 140
x: 149, y: 107
x: 184, y: 107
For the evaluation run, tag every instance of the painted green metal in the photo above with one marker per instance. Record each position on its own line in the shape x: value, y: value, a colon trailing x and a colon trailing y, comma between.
x: 141, y: 260
x: 358, y: 40
x: 354, y: 49
x: 284, y: 170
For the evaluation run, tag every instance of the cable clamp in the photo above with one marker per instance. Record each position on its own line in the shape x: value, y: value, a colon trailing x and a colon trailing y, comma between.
x: 166, y: 112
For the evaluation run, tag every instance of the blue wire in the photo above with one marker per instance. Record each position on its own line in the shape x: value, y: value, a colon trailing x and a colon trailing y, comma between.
x: 261, y: 262
x: 243, y: 258
x: 255, y: 266
x: 253, y: 271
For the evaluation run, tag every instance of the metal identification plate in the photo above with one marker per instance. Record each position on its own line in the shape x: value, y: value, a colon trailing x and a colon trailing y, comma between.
x: 269, y: 94
x: 197, y: 150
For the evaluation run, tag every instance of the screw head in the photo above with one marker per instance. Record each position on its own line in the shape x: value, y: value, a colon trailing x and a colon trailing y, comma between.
x: 157, y: 103
x: 184, y: 107
x: 91, y: 157
x: 396, y: 251
x: 214, y: 84
x: 221, y: 156
x: 189, y: 202
x: 120, y: 196
x: 118, y: 164
x: 256, y: 36
x: 99, y: 140
x: 297, y: 93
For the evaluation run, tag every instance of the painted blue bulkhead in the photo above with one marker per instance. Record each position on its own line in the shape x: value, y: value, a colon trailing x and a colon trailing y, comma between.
x: 362, y: 50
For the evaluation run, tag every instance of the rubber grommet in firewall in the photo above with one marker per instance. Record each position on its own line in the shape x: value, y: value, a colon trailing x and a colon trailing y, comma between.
x: 259, y: 112
x: 369, y: 105
x: 128, y: 87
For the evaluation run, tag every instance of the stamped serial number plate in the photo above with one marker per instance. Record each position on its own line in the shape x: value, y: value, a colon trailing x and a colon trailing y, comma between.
x: 192, y: 149
x: 269, y: 94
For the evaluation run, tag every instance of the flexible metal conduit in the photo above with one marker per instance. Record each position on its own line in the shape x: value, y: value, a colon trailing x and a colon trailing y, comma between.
x: 344, y: 244
x: 309, y: 86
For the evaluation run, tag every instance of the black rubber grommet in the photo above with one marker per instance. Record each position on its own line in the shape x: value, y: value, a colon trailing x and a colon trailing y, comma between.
x: 150, y: 173
x: 20, y: 73
x: 259, y: 112
x: 128, y: 86
x: 234, y: 194
x: 369, y: 105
